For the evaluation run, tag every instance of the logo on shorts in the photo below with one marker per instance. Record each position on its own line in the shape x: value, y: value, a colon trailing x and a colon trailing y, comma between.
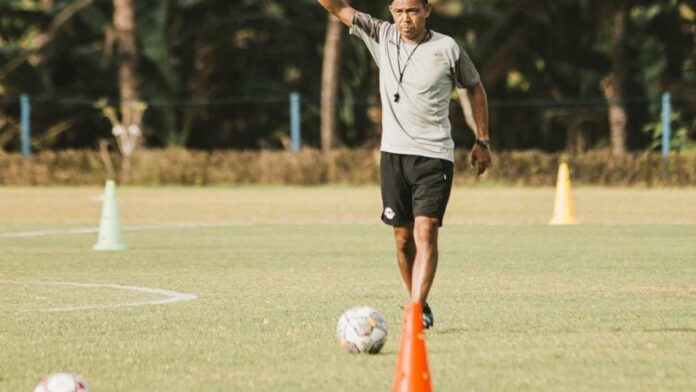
x: 389, y: 213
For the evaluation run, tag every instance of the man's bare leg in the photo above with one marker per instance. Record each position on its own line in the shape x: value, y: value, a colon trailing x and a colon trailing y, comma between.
x: 405, y: 253
x: 425, y: 265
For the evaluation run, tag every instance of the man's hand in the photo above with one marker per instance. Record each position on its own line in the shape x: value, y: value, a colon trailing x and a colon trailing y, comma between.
x: 340, y: 8
x: 481, y: 158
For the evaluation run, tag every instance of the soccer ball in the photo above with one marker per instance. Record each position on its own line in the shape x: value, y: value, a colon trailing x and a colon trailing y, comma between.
x: 62, y: 382
x: 362, y: 329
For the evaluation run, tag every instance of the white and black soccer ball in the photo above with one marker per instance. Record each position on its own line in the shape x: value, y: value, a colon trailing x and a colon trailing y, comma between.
x: 362, y: 329
x: 62, y: 382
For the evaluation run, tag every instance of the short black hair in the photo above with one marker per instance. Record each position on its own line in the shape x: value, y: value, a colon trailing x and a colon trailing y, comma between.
x: 422, y: 1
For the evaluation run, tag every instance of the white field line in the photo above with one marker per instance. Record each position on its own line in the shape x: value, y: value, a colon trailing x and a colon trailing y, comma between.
x: 92, y: 230
x: 184, y: 225
x: 170, y: 296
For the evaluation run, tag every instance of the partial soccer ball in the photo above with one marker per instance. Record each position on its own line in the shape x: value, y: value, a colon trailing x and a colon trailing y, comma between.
x: 362, y: 329
x: 62, y: 382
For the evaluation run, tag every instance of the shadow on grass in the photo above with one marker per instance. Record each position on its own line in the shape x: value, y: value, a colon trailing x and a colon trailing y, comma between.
x: 449, y: 331
x: 678, y: 329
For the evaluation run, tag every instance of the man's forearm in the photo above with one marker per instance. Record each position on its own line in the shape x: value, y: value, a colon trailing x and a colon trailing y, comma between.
x: 479, y: 105
x: 333, y: 6
x: 466, y: 108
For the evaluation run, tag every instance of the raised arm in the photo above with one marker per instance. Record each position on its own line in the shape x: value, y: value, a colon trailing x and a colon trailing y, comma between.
x: 341, y: 9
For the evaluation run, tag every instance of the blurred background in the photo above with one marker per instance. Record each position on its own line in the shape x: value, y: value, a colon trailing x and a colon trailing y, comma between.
x: 134, y: 88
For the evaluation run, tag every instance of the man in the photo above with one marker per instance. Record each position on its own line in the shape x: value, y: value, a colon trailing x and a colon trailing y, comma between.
x: 419, y: 68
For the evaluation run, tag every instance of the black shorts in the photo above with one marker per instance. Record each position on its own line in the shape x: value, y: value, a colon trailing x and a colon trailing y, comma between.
x: 414, y: 186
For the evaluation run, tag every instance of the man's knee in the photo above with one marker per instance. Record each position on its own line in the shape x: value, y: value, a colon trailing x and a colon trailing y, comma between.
x: 426, y: 229
x: 404, y: 239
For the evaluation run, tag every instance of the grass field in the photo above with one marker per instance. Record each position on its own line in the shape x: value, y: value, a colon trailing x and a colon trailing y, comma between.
x: 606, y: 305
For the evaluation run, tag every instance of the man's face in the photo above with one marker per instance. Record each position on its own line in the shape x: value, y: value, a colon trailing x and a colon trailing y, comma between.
x: 410, y: 16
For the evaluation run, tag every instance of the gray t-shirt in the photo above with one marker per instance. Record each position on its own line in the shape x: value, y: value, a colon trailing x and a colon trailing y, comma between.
x: 418, y: 124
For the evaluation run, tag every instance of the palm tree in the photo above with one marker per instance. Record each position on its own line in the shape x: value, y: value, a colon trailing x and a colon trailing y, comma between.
x: 128, y: 130
x: 329, y: 82
x: 613, y: 85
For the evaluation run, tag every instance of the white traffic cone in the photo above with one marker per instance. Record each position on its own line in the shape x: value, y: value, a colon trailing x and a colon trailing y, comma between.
x: 110, y: 233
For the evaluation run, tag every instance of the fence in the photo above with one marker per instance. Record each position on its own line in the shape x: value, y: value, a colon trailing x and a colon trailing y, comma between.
x: 257, y: 114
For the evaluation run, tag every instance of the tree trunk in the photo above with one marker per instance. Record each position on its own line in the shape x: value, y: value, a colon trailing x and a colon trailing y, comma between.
x: 124, y: 23
x: 329, y: 83
x: 131, y: 108
x: 613, y: 85
x: 576, y: 142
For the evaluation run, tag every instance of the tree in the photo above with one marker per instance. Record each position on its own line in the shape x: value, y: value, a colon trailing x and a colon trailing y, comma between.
x: 128, y: 128
x: 37, y: 42
x: 329, y: 82
x: 613, y: 85
x: 225, y: 83
x: 32, y: 37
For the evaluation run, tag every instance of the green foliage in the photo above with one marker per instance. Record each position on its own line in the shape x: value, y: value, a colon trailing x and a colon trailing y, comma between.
x: 680, y: 134
x: 218, y: 73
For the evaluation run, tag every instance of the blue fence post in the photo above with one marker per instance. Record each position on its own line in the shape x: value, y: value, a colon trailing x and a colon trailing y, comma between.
x: 295, y: 131
x: 666, y: 133
x: 666, y: 125
x: 25, y: 108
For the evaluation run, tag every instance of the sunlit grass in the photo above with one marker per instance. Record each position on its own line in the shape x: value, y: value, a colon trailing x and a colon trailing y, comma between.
x: 518, y: 307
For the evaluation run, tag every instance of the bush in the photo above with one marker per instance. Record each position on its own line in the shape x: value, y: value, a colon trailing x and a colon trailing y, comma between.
x: 311, y: 167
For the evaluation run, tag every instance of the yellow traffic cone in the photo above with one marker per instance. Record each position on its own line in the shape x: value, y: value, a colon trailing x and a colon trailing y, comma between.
x: 110, y: 233
x: 563, y: 209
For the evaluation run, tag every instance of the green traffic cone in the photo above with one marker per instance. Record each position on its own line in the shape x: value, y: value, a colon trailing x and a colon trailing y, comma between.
x: 110, y: 233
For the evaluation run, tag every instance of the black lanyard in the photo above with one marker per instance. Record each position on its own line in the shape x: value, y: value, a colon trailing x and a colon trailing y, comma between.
x: 408, y: 60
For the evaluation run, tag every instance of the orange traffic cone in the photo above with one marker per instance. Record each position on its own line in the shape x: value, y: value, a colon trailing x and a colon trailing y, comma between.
x: 412, y: 372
